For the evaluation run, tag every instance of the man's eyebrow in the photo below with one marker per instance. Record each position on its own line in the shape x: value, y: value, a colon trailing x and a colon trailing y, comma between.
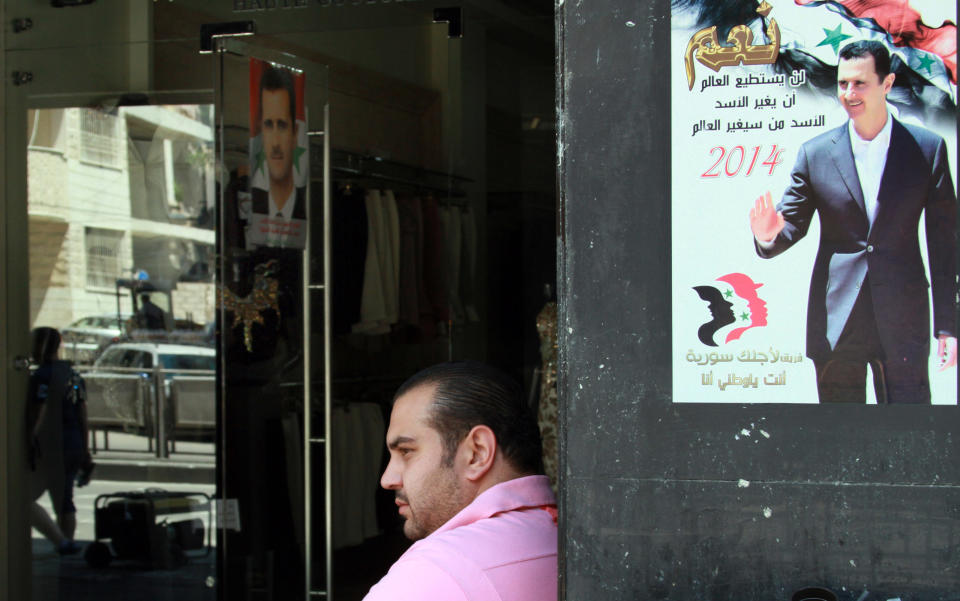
x: 399, y: 440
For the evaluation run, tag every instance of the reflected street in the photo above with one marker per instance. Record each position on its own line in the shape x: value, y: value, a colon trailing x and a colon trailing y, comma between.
x: 69, y: 577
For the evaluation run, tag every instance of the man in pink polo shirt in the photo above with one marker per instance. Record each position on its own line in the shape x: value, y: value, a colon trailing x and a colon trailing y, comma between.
x: 464, y: 464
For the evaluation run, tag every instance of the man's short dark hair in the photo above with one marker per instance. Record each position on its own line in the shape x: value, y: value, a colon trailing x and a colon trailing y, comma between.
x: 470, y: 393
x: 863, y: 48
x: 278, y: 78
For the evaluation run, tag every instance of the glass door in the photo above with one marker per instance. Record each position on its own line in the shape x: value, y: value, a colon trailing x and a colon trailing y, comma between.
x: 110, y: 203
x: 272, y: 148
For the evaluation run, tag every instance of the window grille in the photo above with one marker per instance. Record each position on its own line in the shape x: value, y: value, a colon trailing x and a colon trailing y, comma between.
x: 100, y: 141
x: 103, y: 257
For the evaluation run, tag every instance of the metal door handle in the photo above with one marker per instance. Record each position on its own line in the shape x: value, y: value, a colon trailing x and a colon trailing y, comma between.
x: 21, y: 363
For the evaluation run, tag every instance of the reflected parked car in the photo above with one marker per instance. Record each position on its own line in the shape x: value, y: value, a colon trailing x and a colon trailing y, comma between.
x: 85, y: 339
x: 126, y: 398
x: 148, y: 354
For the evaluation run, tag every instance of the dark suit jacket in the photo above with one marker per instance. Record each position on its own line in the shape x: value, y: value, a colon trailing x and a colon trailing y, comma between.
x: 260, y: 202
x: 916, y: 179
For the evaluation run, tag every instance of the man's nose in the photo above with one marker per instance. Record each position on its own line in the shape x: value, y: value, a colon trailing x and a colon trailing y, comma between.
x: 390, y: 479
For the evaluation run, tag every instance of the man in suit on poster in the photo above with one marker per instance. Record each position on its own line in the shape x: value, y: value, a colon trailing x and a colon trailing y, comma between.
x: 278, y: 133
x: 869, y: 180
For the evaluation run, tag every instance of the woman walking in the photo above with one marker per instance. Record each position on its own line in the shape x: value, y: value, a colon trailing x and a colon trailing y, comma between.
x: 57, y: 431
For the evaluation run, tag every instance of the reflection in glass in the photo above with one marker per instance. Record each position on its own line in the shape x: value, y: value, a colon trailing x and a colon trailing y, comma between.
x: 121, y: 230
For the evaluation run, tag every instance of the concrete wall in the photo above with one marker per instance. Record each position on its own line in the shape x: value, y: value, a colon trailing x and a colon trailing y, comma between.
x: 693, y: 502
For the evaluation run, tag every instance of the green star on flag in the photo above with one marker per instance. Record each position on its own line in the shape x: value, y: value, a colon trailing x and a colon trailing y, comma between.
x: 297, y: 153
x: 744, y: 316
x: 834, y: 38
x: 926, y: 62
x: 728, y: 293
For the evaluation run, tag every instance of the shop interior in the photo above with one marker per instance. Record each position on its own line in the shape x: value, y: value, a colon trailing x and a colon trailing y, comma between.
x: 432, y: 234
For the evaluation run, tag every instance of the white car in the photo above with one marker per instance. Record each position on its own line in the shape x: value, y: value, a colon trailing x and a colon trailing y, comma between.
x: 146, y: 355
x: 126, y: 397
x: 84, y: 339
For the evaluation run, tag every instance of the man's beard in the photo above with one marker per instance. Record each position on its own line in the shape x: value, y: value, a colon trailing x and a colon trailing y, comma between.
x: 434, y: 507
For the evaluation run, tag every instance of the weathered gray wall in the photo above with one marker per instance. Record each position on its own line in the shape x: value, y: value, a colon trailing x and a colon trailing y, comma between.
x: 850, y: 497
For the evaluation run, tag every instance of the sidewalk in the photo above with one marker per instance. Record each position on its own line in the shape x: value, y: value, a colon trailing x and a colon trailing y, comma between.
x: 130, y: 465
x: 130, y: 458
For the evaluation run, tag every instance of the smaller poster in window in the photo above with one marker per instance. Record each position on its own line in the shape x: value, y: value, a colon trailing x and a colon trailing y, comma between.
x: 279, y: 157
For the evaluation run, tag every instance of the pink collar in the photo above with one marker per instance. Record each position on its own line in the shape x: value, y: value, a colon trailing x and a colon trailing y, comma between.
x: 519, y: 493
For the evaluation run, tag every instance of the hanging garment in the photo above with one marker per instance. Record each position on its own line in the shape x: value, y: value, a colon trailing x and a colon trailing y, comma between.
x: 391, y: 274
x: 292, y: 434
x: 343, y: 535
x: 357, y: 431
x: 349, y: 245
x: 468, y: 265
x: 352, y: 467
x: 370, y: 416
x: 411, y: 259
x: 450, y: 218
x: 373, y: 305
x: 433, y: 305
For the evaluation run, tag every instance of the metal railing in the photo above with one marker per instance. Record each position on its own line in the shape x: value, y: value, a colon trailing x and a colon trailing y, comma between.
x: 157, y: 402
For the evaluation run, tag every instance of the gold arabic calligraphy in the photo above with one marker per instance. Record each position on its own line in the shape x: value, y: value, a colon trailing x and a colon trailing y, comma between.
x: 706, y: 46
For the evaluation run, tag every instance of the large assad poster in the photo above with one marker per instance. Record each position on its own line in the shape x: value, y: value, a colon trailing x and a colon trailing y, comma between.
x: 814, y: 239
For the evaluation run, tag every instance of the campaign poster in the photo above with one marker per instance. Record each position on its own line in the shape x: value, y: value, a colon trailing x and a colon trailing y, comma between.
x: 276, y: 209
x: 762, y: 103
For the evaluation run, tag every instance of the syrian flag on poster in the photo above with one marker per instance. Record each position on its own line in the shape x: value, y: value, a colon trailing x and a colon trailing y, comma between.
x: 919, y: 34
x: 927, y: 55
x: 907, y: 26
x: 925, y: 85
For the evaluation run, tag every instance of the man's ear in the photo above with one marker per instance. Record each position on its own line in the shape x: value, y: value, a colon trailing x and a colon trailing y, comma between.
x: 888, y: 82
x: 478, y: 452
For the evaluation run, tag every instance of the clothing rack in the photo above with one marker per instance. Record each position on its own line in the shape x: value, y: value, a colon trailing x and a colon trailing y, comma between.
x: 445, y: 200
x: 353, y: 176
x: 352, y: 167
x: 537, y: 200
x: 348, y: 167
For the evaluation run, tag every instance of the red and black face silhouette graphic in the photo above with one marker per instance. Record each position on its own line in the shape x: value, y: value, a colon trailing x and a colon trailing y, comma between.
x: 746, y: 288
x: 720, y: 309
